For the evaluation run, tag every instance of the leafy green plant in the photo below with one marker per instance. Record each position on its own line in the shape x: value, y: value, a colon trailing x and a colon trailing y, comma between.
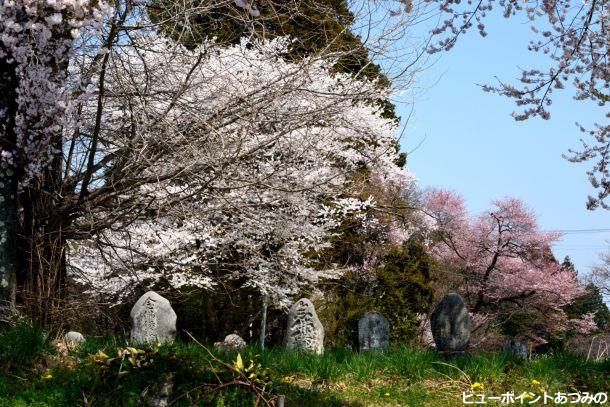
x: 23, y: 345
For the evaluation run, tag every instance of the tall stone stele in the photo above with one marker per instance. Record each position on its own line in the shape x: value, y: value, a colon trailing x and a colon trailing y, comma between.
x: 516, y: 348
x: 373, y: 332
x: 451, y: 325
x: 304, y: 332
x: 152, y: 320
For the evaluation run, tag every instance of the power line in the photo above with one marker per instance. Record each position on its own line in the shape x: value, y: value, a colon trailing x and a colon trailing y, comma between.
x: 578, y: 231
x: 584, y: 247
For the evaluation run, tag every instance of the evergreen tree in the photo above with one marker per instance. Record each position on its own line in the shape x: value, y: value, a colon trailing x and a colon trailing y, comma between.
x: 567, y: 265
x: 399, y: 289
x: 315, y: 26
x: 591, y: 302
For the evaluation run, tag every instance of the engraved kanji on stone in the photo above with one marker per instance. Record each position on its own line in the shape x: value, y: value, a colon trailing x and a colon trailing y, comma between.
x: 304, y: 331
x: 152, y: 320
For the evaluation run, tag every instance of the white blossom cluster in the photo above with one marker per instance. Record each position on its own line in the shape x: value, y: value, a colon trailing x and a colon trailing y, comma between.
x: 38, y: 38
x: 251, y: 158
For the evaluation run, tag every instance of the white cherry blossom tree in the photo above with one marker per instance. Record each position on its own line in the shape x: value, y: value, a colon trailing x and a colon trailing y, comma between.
x: 150, y: 159
x: 250, y: 196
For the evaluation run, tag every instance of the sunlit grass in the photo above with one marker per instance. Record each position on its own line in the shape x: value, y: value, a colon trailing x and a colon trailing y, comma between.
x: 404, y: 376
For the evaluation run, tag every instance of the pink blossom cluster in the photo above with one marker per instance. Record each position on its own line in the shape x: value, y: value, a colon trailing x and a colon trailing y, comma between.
x: 501, y: 258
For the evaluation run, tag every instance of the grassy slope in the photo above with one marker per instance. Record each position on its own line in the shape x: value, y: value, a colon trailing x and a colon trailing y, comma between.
x: 403, y: 377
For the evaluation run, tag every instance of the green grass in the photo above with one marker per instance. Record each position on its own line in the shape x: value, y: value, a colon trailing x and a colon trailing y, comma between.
x: 22, y: 346
x: 403, y: 376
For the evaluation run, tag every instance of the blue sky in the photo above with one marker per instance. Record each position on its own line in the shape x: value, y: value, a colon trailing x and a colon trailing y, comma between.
x: 472, y: 145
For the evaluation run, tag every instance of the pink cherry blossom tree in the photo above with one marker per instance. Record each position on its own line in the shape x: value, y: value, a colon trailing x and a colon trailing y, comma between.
x: 501, y: 262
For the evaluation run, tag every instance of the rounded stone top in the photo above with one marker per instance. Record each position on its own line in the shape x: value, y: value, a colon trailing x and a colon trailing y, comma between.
x: 153, y: 296
x: 373, y: 315
x: 74, y: 337
x: 233, y: 337
x: 303, y: 302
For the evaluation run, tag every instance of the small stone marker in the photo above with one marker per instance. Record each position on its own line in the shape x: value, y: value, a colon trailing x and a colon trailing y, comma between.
x: 73, y: 338
x: 158, y: 395
x: 152, y: 320
x: 516, y: 348
x: 373, y: 332
x: 451, y: 325
x: 304, y: 331
x: 232, y: 343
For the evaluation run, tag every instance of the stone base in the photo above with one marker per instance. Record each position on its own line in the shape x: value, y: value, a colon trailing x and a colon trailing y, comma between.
x: 374, y: 350
x: 452, y: 354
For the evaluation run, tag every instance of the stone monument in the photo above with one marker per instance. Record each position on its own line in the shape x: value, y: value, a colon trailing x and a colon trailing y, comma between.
x: 304, y: 331
x: 152, y: 320
x: 73, y: 338
x: 373, y: 332
x: 232, y: 343
x: 516, y: 348
x: 451, y: 325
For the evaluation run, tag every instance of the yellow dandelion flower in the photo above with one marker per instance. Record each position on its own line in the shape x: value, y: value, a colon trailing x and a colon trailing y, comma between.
x: 47, y: 376
x: 535, y: 382
x: 387, y: 394
x: 477, y: 386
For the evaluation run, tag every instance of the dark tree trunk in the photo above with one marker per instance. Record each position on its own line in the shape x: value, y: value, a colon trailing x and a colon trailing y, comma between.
x: 8, y: 188
x: 32, y: 239
x: 43, y: 275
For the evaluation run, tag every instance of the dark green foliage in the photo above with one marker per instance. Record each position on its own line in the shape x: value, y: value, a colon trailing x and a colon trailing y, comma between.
x: 591, y: 302
x: 316, y: 26
x: 401, y: 161
x: 403, y: 289
x: 567, y: 265
x: 22, y: 346
x: 348, y: 246
x: 213, y: 314
x: 399, y: 289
